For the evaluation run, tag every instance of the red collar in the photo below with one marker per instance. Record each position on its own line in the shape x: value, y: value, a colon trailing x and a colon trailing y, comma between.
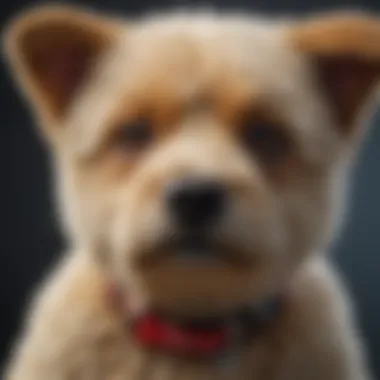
x: 157, y: 333
x: 206, y: 338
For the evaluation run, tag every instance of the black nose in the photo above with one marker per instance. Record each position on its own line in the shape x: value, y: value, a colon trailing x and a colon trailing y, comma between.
x: 195, y: 202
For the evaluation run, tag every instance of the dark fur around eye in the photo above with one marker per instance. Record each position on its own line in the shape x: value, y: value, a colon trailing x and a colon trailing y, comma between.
x: 135, y: 135
x: 269, y: 143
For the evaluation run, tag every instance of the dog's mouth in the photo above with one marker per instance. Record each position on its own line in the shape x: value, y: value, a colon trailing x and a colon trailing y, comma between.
x: 198, y: 247
x: 194, y: 248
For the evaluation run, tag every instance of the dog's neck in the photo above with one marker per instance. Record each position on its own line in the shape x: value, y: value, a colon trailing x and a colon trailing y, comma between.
x: 203, y: 339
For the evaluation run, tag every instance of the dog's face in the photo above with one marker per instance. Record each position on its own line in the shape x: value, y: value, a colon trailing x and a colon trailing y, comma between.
x: 200, y: 156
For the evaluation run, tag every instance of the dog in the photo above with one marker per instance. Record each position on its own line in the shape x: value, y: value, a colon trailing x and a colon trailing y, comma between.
x: 201, y: 162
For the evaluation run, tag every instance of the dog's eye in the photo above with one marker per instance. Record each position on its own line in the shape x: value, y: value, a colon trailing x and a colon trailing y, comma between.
x: 269, y: 143
x: 136, y: 135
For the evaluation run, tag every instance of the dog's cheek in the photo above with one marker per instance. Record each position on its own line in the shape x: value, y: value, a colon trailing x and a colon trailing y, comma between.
x: 255, y: 224
x: 307, y: 213
x: 86, y: 193
x: 135, y: 222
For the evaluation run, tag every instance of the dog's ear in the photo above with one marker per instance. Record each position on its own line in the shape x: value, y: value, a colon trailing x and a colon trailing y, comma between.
x: 52, y: 50
x: 345, y: 51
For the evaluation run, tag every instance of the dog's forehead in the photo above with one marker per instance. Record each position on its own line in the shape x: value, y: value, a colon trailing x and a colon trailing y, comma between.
x: 223, y: 55
x: 205, y: 49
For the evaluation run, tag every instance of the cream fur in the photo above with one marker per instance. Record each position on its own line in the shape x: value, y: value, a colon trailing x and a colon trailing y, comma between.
x: 111, y: 203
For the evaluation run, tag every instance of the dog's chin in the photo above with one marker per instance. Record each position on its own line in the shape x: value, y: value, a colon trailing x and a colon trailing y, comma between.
x: 192, y: 290
x: 194, y: 274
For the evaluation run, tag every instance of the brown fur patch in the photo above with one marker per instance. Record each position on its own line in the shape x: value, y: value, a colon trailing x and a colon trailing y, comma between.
x: 346, y: 54
x: 53, y: 49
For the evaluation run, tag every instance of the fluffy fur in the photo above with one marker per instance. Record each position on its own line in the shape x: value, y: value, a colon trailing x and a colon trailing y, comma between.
x: 201, y: 80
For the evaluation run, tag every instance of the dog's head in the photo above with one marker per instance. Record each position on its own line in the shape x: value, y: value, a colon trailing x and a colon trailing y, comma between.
x: 200, y: 156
